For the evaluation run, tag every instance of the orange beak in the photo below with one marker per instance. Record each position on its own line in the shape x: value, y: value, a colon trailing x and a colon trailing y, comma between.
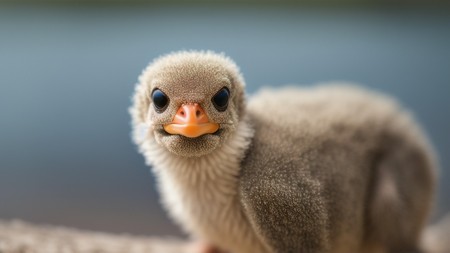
x: 191, y: 121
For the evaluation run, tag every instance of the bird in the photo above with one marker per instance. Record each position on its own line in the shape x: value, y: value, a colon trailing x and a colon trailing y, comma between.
x: 333, y: 167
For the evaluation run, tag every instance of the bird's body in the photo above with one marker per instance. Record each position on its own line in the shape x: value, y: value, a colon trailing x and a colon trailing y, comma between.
x: 356, y: 162
x: 328, y: 169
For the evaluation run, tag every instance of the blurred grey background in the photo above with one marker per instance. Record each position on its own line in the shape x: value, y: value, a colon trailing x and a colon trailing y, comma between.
x: 68, y: 68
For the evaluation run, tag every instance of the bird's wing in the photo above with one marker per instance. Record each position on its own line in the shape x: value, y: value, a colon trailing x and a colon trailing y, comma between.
x: 282, y: 202
x: 285, y: 217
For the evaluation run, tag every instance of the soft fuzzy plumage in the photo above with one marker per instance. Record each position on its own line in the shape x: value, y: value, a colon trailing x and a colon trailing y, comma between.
x: 297, y: 170
x: 351, y: 169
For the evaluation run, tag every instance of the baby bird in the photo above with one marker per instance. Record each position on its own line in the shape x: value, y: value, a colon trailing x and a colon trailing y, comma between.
x: 333, y: 168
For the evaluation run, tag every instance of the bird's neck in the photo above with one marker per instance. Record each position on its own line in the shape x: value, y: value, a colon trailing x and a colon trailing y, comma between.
x: 202, y: 194
x: 221, y: 164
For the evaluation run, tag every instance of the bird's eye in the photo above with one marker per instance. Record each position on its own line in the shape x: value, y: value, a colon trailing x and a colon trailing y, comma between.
x: 220, y: 100
x: 160, y: 100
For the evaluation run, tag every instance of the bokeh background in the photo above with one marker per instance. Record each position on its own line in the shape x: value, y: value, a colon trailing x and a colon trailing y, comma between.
x: 68, y: 68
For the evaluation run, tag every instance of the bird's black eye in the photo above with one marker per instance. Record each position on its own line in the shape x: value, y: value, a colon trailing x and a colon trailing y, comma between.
x: 220, y: 100
x: 160, y: 100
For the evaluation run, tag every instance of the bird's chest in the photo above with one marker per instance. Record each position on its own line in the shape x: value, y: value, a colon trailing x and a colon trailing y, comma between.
x: 205, y: 201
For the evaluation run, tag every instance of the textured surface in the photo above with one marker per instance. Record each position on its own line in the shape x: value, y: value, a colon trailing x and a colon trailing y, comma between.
x: 20, y: 237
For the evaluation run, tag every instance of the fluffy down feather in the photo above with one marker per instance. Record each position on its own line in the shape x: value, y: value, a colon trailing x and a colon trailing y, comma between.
x: 331, y: 168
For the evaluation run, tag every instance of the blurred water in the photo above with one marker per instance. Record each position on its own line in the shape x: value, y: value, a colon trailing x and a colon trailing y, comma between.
x: 67, y: 74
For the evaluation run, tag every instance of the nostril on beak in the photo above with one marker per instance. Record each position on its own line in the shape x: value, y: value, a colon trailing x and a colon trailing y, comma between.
x: 193, y: 113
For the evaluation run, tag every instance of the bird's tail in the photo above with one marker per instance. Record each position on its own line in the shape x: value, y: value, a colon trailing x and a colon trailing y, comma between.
x: 436, y: 238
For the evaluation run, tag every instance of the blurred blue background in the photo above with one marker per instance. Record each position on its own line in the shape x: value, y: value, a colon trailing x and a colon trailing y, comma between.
x: 67, y: 73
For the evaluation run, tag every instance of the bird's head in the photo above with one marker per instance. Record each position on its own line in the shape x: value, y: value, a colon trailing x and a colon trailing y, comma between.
x: 189, y: 102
